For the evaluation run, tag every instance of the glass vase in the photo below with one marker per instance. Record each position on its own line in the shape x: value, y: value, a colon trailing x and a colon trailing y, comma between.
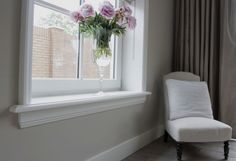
x: 102, y: 58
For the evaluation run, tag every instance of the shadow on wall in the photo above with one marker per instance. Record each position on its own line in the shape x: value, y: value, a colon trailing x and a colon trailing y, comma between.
x: 12, y: 118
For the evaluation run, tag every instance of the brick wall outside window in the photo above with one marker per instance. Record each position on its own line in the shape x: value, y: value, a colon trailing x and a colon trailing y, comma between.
x: 55, y: 55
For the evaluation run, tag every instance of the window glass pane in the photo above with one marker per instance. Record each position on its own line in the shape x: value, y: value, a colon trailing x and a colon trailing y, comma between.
x: 66, y: 4
x: 89, y: 69
x: 55, y: 45
x: 56, y: 50
x: 96, y: 3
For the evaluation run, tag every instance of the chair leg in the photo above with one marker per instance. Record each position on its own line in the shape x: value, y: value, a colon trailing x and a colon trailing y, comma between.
x: 166, y: 137
x: 179, y: 149
x: 226, y: 149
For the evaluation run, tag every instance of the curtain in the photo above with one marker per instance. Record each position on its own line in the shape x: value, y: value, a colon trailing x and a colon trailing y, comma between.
x: 197, y: 42
x: 228, y: 64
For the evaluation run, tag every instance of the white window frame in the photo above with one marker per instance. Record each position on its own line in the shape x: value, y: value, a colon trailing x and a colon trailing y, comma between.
x: 51, y: 87
x: 49, y: 109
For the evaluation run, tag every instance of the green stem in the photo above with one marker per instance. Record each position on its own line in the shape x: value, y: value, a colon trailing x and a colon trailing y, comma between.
x: 102, y: 44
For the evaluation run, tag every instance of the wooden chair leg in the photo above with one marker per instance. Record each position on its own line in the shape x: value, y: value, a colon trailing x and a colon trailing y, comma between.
x: 166, y: 137
x: 179, y: 149
x: 226, y: 149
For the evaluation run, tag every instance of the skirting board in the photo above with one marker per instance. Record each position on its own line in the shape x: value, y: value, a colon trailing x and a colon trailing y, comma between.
x: 130, y: 146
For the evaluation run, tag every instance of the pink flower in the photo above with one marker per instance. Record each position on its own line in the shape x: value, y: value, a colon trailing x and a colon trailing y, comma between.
x: 131, y: 22
x: 86, y: 10
x: 107, y: 9
x: 126, y: 10
x: 76, y: 16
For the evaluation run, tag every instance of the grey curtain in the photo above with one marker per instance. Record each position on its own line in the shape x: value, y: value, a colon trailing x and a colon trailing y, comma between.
x: 205, y: 44
x: 228, y: 64
x: 197, y: 42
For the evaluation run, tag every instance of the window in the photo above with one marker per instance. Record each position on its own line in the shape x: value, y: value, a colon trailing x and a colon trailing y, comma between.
x: 61, y: 56
x: 62, y: 92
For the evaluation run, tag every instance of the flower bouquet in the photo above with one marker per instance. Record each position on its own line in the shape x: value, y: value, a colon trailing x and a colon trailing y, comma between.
x: 101, y: 25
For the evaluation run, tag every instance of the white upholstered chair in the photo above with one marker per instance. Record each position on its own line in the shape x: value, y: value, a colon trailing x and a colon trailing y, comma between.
x: 189, y: 115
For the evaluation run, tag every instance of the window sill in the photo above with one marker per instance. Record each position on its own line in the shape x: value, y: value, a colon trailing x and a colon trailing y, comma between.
x: 50, y: 109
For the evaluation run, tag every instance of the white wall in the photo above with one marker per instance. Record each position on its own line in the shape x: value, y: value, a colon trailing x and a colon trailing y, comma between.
x: 80, y: 138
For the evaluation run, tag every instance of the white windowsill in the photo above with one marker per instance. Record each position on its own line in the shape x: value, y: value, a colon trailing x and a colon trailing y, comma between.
x: 49, y: 109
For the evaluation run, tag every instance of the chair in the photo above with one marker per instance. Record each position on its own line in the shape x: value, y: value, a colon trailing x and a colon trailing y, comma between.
x: 189, y: 117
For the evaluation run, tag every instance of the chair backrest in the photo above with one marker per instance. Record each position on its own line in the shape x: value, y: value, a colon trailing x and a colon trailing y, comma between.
x: 184, y: 76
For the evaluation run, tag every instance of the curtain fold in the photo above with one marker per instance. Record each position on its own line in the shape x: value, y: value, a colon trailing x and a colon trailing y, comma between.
x: 228, y: 64
x: 197, y: 42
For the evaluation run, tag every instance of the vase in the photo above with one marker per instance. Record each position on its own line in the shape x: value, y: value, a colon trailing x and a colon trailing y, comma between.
x: 102, y: 58
x: 102, y: 63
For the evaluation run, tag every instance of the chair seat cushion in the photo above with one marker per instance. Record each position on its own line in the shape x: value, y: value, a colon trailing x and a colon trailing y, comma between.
x: 198, y: 129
